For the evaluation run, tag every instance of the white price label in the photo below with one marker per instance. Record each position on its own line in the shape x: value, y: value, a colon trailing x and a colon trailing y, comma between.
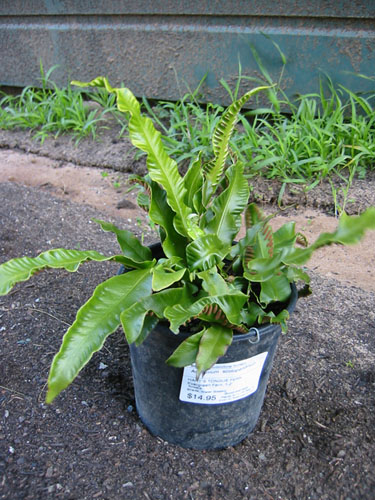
x: 223, y: 383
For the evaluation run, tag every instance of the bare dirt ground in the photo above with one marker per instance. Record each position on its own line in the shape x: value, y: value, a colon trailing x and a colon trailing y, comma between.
x: 315, y: 438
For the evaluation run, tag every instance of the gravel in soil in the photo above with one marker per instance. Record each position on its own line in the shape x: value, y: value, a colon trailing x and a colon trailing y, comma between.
x: 315, y: 437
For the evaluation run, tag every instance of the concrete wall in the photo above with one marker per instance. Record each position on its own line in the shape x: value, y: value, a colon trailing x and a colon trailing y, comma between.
x: 157, y: 47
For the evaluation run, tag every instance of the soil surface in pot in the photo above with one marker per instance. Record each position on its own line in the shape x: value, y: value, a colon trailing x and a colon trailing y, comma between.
x: 315, y: 437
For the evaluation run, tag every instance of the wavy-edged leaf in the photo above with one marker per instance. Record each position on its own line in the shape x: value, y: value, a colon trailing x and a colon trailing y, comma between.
x: 262, y: 269
x: 149, y: 323
x: 163, y: 170
x: 296, y: 273
x: 229, y: 205
x: 193, y: 181
x: 249, y: 239
x: 263, y: 245
x: 203, y: 348
x: 131, y: 247
x: 205, y: 252
x: 164, y: 278
x: 161, y: 167
x: 95, y: 320
x: 350, y: 230
x: 161, y: 214
x: 230, y: 305
x: 276, y: 289
x: 222, y: 134
x: 213, y: 344
x: 285, y: 236
x: 133, y: 318
x: 252, y: 314
x: 213, y: 283
x: 256, y: 314
x: 253, y: 215
x: 281, y: 319
x: 22, y: 268
x: 186, y: 352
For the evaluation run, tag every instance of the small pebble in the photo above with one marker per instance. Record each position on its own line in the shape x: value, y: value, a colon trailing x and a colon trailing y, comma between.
x: 49, y: 472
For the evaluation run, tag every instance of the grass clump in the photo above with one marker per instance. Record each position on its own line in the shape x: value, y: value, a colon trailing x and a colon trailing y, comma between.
x: 320, y: 137
x: 329, y: 135
x: 51, y: 110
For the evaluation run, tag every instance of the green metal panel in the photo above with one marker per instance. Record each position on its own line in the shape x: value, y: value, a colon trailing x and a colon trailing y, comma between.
x: 157, y: 47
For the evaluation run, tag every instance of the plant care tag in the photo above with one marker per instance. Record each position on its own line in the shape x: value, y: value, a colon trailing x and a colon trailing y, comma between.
x: 223, y: 383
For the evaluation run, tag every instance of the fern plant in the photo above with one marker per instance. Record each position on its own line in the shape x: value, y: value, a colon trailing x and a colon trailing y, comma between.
x: 205, y: 279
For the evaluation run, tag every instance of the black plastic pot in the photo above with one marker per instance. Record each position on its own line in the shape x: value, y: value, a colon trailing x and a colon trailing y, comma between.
x: 202, y: 420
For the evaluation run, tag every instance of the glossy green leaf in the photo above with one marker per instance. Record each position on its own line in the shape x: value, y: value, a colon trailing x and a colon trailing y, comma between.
x: 193, y: 181
x: 276, y: 289
x: 222, y: 134
x: 129, y: 244
x: 280, y: 319
x: 162, y: 215
x: 206, y: 252
x: 162, y: 278
x: 252, y: 314
x: 295, y: 274
x: 213, y: 283
x: 296, y: 256
x: 213, y: 344
x: 133, y: 318
x: 186, y: 352
x: 285, y: 236
x: 248, y: 240
x: 161, y: 167
x: 21, y: 269
x: 149, y: 323
x: 229, y: 205
x: 230, y: 305
x: 253, y: 215
x: 350, y: 230
x: 263, y: 269
x: 95, y: 320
